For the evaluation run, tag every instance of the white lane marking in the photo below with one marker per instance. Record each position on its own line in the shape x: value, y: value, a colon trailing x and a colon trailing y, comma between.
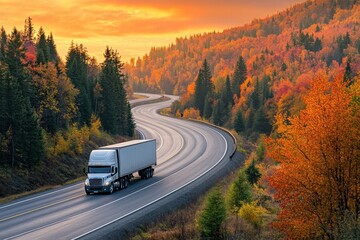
x: 39, y: 208
x: 144, y: 206
x: 42, y: 195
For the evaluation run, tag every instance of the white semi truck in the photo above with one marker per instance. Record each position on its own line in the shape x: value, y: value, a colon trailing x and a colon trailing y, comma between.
x: 111, y: 167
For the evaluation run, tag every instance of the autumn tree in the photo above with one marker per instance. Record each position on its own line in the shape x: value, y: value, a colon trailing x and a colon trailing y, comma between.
x: 317, y: 182
x: 46, y: 82
x: 55, y: 97
x: 66, y: 98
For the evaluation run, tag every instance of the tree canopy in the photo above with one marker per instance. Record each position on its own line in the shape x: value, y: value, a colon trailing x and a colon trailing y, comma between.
x: 318, y: 182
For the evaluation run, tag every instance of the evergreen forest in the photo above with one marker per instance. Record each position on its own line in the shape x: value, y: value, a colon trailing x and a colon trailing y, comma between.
x: 52, y: 113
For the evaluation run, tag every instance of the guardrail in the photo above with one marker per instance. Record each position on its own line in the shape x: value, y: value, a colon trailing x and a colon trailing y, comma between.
x: 163, y: 98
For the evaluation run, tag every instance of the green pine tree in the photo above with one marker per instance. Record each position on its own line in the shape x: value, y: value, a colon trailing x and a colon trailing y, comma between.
x: 216, y: 116
x: 239, y: 124
x: 77, y: 71
x: 27, y: 144
x: 253, y: 173
x: 4, y: 116
x: 130, y: 122
x: 53, y: 55
x: 348, y: 73
x: 255, y: 101
x: 261, y: 123
x: 209, y: 86
x: 213, y: 216
x: 203, y: 87
x: 116, y: 115
x: 199, y: 93
x: 29, y: 29
x: 250, y: 120
x: 3, y: 42
x: 42, y: 49
x: 208, y: 108
x: 239, y: 193
x: 240, y: 76
x: 227, y: 93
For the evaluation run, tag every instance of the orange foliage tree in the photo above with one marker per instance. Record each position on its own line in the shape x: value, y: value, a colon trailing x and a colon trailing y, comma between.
x: 192, y: 113
x: 317, y: 182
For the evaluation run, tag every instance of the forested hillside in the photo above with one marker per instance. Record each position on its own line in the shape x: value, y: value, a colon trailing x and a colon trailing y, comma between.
x: 265, y: 44
x: 278, y: 57
x: 52, y: 113
x: 290, y: 84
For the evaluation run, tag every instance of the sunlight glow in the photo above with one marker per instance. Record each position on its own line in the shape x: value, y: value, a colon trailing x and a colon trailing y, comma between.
x: 132, y: 27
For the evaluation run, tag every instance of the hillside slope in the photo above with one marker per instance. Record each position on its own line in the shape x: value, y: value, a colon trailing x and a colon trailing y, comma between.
x: 277, y: 45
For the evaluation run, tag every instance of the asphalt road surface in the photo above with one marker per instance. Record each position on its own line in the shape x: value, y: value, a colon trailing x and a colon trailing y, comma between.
x: 188, y: 154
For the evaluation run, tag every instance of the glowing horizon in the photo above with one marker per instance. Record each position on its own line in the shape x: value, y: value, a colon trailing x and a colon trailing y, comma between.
x: 131, y: 27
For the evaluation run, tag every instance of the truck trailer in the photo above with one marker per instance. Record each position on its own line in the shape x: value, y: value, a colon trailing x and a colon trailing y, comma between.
x: 111, y: 167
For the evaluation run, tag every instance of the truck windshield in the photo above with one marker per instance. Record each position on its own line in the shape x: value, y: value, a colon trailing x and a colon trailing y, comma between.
x: 99, y: 169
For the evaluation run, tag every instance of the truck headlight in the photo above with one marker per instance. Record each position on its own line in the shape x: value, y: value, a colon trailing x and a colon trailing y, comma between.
x: 87, y: 183
x: 107, y: 183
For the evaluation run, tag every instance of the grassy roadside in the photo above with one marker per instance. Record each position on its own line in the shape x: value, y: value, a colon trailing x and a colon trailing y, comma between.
x: 181, y: 223
x: 161, y: 99
x: 137, y: 96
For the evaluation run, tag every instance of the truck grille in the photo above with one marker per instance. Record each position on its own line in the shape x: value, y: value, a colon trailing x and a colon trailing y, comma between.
x: 95, y: 182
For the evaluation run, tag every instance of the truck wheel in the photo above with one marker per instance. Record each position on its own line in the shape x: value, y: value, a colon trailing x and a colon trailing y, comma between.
x: 142, y: 174
x: 151, y: 172
x: 111, y: 190
x: 126, y: 182
x: 121, y: 184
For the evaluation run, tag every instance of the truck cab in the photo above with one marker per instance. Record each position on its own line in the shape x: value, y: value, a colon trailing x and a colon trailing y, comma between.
x: 102, y: 171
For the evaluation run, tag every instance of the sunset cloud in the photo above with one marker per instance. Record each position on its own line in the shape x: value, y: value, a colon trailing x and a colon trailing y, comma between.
x: 135, y: 23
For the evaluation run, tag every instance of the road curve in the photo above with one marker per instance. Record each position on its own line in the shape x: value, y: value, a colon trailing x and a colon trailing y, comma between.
x: 188, y: 154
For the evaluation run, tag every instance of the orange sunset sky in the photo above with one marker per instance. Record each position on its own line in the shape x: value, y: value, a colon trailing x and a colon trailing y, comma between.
x: 132, y: 26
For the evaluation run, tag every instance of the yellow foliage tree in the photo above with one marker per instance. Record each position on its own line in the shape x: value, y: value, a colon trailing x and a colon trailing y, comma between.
x: 192, y: 113
x: 253, y: 214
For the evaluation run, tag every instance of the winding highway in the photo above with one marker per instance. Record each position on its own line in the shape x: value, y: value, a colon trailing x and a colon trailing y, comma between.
x: 189, y: 153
